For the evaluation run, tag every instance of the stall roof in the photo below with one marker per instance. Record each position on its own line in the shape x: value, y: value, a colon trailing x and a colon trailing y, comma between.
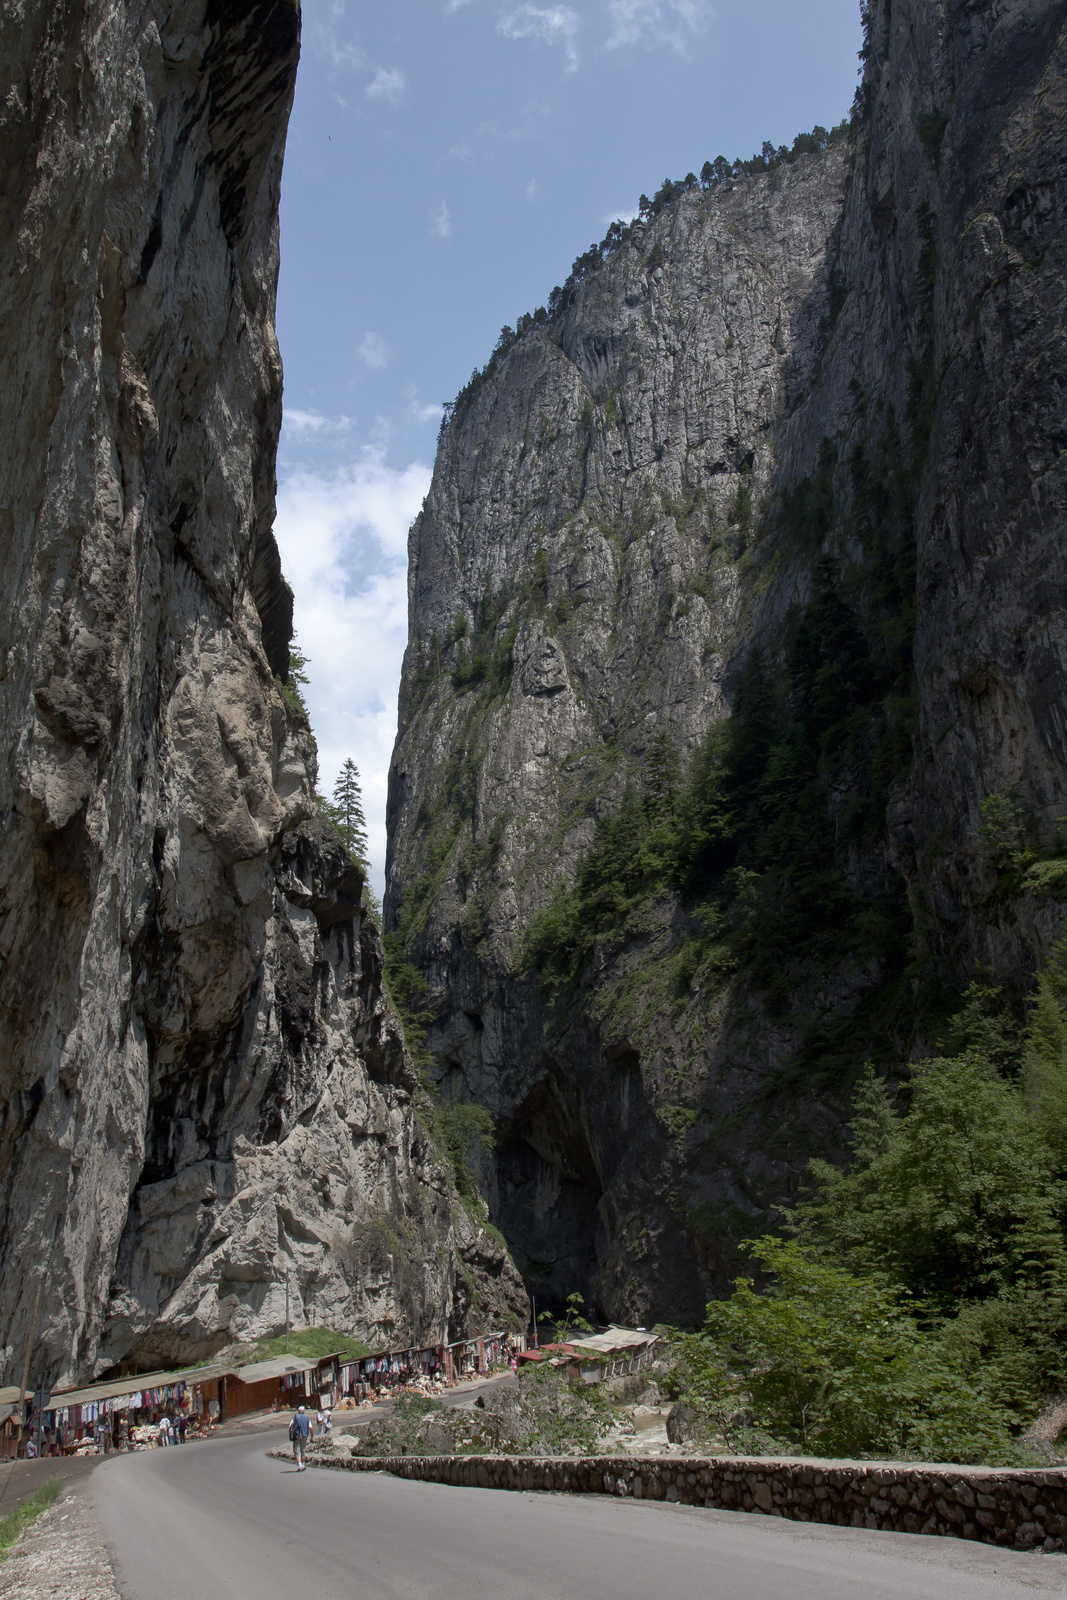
x: 10, y: 1395
x: 255, y: 1372
x: 613, y: 1339
x: 137, y: 1381
x: 277, y: 1367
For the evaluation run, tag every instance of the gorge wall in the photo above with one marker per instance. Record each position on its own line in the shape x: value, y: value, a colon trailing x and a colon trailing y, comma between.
x: 732, y: 737
x: 202, y: 1085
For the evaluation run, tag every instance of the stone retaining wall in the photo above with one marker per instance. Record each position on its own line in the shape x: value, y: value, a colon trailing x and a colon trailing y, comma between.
x: 1021, y: 1508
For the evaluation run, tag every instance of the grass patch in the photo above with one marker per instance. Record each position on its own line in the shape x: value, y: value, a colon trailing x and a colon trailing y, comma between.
x: 312, y: 1344
x: 16, y: 1523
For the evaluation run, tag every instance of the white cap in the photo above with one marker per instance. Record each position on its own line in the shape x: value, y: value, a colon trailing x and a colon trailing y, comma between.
x: 301, y: 1408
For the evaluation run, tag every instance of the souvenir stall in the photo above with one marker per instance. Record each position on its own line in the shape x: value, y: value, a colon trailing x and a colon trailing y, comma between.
x: 427, y: 1370
x: 124, y: 1413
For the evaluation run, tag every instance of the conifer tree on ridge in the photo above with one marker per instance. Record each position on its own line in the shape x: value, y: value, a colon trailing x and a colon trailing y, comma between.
x: 347, y: 811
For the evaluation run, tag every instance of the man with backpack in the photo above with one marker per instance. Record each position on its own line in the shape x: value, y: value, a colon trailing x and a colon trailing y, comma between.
x: 299, y: 1429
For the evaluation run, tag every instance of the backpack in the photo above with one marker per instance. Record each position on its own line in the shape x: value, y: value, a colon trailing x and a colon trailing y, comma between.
x: 294, y: 1431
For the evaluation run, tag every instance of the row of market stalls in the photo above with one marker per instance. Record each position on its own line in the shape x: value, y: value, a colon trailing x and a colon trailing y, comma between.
x: 123, y: 1413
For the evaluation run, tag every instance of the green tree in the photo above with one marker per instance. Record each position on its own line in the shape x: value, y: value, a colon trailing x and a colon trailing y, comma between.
x: 460, y: 1129
x: 347, y: 811
x: 834, y: 1362
x: 662, y: 776
x: 572, y: 1320
x: 1045, y: 1059
x: 296, y: 680
x: 946, y: 1199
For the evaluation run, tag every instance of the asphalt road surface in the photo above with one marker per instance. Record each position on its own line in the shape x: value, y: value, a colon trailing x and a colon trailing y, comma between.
x: 221, y: 1519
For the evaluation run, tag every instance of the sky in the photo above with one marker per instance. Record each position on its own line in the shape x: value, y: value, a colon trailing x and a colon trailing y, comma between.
x: 447, y: 160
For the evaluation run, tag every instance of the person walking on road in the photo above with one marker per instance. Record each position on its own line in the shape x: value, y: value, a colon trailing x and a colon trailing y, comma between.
x: 299, y: 1429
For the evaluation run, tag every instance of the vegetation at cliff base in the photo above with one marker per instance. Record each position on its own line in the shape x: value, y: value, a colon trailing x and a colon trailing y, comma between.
x: 917, y: 1306
x: 546, y: 1415
x: 312, y: 1344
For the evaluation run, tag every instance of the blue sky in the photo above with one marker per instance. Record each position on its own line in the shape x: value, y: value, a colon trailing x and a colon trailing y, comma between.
x: 447, y: 160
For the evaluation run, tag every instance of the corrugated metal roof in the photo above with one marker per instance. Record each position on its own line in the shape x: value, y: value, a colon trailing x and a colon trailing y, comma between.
x: 613, y: 1339
x: 116, y: 1387
x: 277, y: 1367
x: 255, y: 1372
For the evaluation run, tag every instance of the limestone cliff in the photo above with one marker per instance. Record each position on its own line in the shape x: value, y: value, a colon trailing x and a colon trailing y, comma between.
x: 201, y: 1082
x: 790, y: 465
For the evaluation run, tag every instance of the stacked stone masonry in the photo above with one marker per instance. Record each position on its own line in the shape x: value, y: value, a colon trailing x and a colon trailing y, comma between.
x: 1023, y: 1509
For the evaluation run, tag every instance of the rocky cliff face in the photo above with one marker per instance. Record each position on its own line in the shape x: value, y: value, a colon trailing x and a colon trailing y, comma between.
x: 201, y: 1083
x: 788, y: 466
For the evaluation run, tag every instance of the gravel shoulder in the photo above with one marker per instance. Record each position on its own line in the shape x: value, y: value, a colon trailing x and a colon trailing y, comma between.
x: 62, y: 1556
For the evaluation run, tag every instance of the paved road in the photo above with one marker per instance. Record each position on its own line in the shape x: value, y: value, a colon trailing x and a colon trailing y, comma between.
x: 221, y: 1519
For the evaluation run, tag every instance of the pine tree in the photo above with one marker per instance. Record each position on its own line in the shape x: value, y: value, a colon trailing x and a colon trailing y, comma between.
x: 874, y: 1121
x: 1045, y: 1059
x: 348, y: 810
x: 662, y: 776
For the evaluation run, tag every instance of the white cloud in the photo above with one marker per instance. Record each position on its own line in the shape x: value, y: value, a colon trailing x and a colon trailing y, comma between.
x: 343, y: 540
x: 374, y: 350
x: 656, y: 22
x: 389, y: 84
x: 301, y: 423
x: 325, y: 37
x: 531, y: 189
x: 441, y: 221
x: 429, y: 413
x: 551, y: 24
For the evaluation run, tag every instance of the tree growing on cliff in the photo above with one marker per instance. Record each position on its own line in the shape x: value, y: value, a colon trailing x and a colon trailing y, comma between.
x: 663, y: 776
x: 346, y: 811
x: 292, y: 687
